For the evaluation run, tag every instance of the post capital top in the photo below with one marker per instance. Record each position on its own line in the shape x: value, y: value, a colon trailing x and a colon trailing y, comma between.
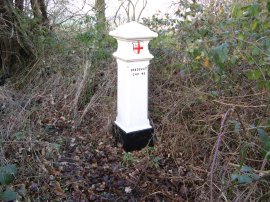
x: 133, y: 31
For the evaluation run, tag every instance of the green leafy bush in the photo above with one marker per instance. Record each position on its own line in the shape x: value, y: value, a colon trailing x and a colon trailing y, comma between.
x: 100, y: 43
x: 226, y: 54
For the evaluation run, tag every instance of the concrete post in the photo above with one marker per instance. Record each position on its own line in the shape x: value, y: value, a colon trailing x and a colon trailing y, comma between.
x: 132, y: 123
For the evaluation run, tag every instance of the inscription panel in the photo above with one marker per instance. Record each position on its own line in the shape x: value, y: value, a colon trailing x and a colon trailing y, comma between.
x: 138, y: 71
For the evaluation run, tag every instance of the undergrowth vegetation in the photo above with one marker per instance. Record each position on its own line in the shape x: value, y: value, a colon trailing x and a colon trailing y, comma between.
x: 222, y: 60
x: 208, y: 101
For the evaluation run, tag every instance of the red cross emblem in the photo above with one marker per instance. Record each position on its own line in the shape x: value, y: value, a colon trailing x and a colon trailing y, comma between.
x: 137, y: 47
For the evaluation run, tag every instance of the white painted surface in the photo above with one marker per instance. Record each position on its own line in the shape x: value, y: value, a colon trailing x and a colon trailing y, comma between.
x: 132, y: 80
x: 134, y: 31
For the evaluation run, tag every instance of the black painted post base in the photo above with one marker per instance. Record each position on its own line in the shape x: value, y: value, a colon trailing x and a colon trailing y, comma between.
x: 134, y: 140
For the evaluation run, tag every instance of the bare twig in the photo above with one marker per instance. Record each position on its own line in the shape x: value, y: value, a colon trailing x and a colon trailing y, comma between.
x: 18, y: 116
x: 239, y: 105
x: 127, y: 10
x: 133, y: 8
x: 103, y: 89
x: 144, y: 6
x: 116, y: 13
x: 245, y: 131
x: 130, y: 9
x: 220, y: 135
x: 80, y: 88
x: 264, y: 162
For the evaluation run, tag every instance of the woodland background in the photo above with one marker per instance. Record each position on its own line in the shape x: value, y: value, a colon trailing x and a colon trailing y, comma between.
x: 208, y: 101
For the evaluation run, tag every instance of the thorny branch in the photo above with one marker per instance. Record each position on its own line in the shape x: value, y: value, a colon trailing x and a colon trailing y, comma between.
x: 220, y: 135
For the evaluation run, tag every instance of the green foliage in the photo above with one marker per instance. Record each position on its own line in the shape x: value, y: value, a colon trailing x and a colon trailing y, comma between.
x: 7, y: 174
x: 127, y: 159
x: 188, y: 9
x: 243, y: 154
x: 246, y: 175
x: 154, y: 160
x: 265, y: 140
x: 21, y: 135
x: 229, y: 50
x: 236, y: 126
x: 100, y: 43
x: 8, y: 195
x: 220, y: 54
x: 254, y: 74
x: 40, y: 38
x: 218, y: 46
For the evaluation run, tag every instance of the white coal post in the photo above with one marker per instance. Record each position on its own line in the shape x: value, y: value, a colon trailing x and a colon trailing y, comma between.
x: 132, y: 123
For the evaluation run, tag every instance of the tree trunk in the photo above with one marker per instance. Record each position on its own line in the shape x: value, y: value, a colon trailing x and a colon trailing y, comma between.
x: 7, y: 34
x: 40, y: 11
x: 43, y: 10
x: 36, y: 9
x: 19, y: 4
x: 100, y: 15
x: 16, y: 42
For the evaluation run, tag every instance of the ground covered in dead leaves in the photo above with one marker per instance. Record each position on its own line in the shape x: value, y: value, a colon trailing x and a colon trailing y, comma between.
x: 77, y: 167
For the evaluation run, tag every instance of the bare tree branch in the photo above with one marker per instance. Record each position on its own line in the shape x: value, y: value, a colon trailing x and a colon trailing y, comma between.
x: 137, y: 3
x: 134, y: 10
x: 116, y: 13
x: 127, y: 11
x: 144, y: 6
x: 130, y: 10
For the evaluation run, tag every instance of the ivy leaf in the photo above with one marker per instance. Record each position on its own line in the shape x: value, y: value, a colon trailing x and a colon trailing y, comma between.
x: 244, y: 179
x: 252, y: 10
x: 266, y: 45
x: 246, y: 169
x: 19, y: 135
x: 255, y: 176
x: 241, y: 178
x: 263, y: 135
x: 234, y: 176
x: 236, y: 11
x: 255, y: 51
x: 245, y: 176
x: 236, y: 125
x: 268, y: 6
x: 254, y: 74
x: 5, y: 178
x: 11, y: 169
x: 220, y: 53
x: 266, y: 24
x: 8, y: 195
x: 264, y: 84
x: 7, y: 173
x: 56, y: 146
x: 254, y: 25
x: 241, y: 36
x: 243, y: 154
x: 265, y: 139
